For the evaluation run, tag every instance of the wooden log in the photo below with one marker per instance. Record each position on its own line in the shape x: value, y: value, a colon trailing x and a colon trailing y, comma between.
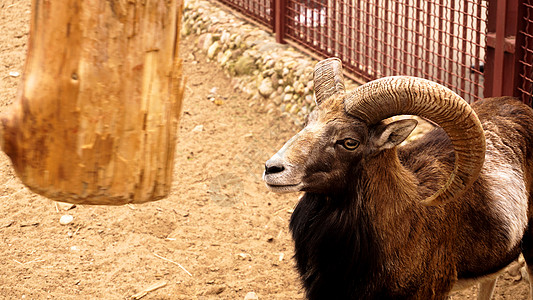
x: 96, y: 117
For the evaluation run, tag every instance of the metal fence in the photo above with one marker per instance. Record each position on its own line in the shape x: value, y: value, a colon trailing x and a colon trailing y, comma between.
x: 258, y: 10
x: 525, y: 69
x: 479, y: 48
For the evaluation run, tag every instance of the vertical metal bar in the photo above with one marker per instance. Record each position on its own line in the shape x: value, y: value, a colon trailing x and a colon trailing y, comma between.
x: 315, y: 22
x: 367, y: 41
x: 359, y: 41
x: 440, y: 53
x: 451, y: 49
x: 335, y: 33
x: 464, y: 48
x: 308, y: 23
x: 272, y: 16
x: 429, y: 40
x: 477, y: 54
x: 416, y: 61
x: 342, y: 34
x: 279, y: 20
x: 396, y: 53
x: 406, y: 40
x: 350, y: 35
x: 376, y: 55
x: 497, y: 87
x: 386, y: 30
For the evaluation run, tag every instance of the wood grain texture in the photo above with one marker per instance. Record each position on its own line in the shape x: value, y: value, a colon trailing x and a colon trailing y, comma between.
x: 96, y: 117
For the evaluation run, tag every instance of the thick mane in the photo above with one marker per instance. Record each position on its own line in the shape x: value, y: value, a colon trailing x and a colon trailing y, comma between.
x: 337, y: 250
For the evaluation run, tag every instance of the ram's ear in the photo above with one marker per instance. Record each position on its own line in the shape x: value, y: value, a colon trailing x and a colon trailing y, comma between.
x: 390, y: 135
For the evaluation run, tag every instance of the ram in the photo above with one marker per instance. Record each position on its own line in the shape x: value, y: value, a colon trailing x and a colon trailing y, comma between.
x: 384, y: 221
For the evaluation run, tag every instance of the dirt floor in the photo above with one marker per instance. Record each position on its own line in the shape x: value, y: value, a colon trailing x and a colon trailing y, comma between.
x: 220, y: 234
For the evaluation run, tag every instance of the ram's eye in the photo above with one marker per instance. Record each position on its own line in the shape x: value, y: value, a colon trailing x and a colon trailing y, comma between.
x: 350, y: 144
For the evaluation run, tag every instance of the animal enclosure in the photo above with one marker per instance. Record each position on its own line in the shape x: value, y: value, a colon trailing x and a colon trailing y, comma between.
x: 477, y: 48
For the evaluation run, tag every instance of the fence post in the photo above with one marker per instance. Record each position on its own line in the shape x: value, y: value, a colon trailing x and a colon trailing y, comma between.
x: 280, y: 9
x: 501, y: 69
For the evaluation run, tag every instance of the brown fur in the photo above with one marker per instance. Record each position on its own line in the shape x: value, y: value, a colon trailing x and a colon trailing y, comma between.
x: 360, y: 230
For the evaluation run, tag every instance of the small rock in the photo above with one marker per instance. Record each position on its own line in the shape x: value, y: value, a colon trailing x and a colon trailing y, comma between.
x: 14, y: 74
x: 288, y: 89
x: 66, y: 219
x: 65, y: 206
x: 294, y: 109
x: 299, y: 87
x: 225, y: 57
x: 245, y: 65
x: 270, y: 46
x: 225, y: 37
x: 208, y: 41
x: 238, y: 41
x: 216, y: 290
x: 198, y: 128
x: 213, y: 49
x: 205, y: 40
x: 265, y: 87
x: 275, y: 80
x: 244, y: 256
x: 270, y: 106
x: 268, y: 72
x: 251, y: 296
x: 287, y: 107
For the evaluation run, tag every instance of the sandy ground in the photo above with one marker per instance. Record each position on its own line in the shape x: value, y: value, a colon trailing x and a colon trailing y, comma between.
x: 219, y: 235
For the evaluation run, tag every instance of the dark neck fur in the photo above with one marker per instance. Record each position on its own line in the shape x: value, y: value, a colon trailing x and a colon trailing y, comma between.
x: 335, y: 252
x: 338, y: 247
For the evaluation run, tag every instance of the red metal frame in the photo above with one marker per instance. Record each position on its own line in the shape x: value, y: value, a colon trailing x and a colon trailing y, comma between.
x: 501, y: 60
x: 448, y: 41
x: 279, y: 20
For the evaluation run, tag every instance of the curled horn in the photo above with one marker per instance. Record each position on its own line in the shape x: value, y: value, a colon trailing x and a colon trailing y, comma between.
x: 403, y: 95
x: 328, y: 79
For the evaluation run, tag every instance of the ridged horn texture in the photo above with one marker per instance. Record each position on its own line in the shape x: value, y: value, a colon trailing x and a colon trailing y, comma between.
x: 403, y: 95
x: 328, y: 79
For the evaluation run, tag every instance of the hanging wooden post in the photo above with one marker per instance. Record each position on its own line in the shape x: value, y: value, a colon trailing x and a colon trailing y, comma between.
x: 96, y: 116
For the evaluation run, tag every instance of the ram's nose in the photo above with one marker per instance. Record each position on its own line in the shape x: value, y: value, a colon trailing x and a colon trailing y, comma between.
x: 274, y: 165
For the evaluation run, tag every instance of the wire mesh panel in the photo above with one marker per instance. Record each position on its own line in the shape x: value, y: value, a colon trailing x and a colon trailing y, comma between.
x: 259, y: 10
x: 441, y: 40
x: 525, y: 81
